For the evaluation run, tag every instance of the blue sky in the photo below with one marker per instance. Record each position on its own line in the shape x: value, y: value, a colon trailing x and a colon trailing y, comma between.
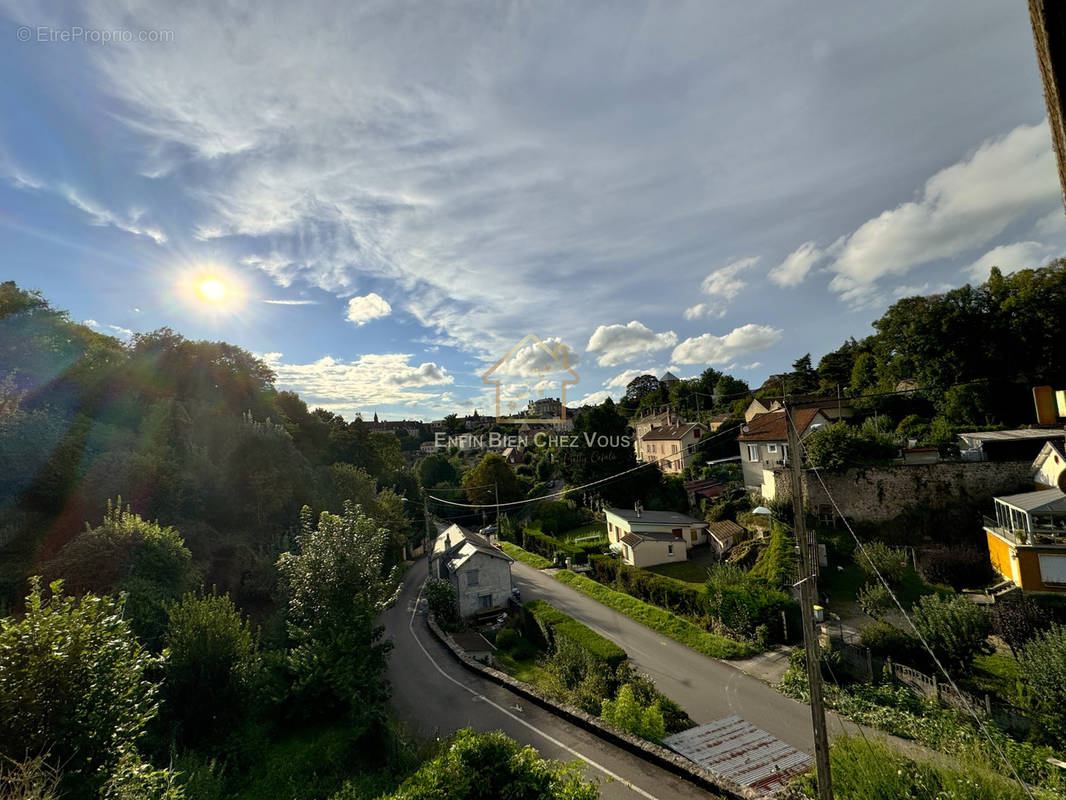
x: 395, y: 193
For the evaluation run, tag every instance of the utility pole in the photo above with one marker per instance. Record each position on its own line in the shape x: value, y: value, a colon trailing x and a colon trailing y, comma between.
x: 808, y: 597
x: 496, y: 494
x: 429, y: 537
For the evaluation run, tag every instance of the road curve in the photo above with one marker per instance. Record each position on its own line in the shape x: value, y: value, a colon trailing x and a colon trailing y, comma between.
x: 434, y: 695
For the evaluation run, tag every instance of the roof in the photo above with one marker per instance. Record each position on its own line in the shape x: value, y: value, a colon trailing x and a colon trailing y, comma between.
x: 668, y: 377
x: 669, y: 431
x: 631, y: 539
x: 724, y: 529
x: 1014, y: 435
x: 655, y: 517
x: 463, y: 544
x: 1047, y: 451
x: 741, y: 752
x: 472, y: 642
x: 773, y: 427
x: 1045, y: 501
x: 720, y: 417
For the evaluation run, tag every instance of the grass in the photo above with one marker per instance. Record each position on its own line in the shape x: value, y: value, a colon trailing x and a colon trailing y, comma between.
x: 998, y: 674
x: 596, y: 529
x: 658, y: 619
x: 526, y: 557
x: 693, y: 571
x: 523, y: 669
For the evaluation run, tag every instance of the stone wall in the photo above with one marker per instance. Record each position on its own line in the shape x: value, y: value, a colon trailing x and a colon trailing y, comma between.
x: 882, y: 494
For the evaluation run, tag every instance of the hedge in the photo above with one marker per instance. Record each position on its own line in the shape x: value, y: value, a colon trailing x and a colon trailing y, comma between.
x: 678, y: 596
x: 548, y: 546
x: 518, y: 554
x: 658, y: 619
x: 557, y: 628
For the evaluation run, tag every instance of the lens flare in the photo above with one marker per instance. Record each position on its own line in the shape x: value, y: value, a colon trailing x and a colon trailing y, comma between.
x: 212, y: 290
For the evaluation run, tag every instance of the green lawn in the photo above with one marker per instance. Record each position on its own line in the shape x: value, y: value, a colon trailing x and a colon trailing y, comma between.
x: 595, y: 529
x: 997, y: 674
x: 523, y: 669
x: 694, y: 570
x: 526, y: 557
x: 658, y: 619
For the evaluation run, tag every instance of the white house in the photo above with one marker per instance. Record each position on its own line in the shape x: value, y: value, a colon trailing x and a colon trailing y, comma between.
x: 1049, y: 467
x: 764, y: 442
x: 478, y: 570
x: 645, y: 538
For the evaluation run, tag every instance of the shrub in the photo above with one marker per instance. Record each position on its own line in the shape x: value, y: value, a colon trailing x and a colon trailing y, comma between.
x: 744, y: 604
x: 955, y: 628
x: 440, y: 597
x: 777, y: 563
x: 885, y: 639
x: 557, y: 627
x: 1043, y: 662
x: 550, y: 547
x: 506, y: 639
x: 625, y: 712
x: 875, y: 600
x: 878, y: 557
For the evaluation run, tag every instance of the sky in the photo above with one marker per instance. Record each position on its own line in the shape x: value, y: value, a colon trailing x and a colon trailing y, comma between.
x: 395, y: 197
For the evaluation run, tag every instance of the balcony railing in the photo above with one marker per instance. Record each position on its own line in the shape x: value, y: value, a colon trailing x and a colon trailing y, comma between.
x: 1038, y: 536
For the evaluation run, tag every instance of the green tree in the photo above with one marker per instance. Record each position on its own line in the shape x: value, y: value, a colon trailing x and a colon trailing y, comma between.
x: 126, y: 553
x: 336, y: 585
x: 840, y: 446
x: 803, y: 379
x: 491, y: 481
x: 436, y: 469
x: 955, y: 628
x: 641, y: 386
x: 73, y: 685
x: 212, y: 659
x: 727, y: 390
x: 625, y: 712
x: 877, y: 557
x: 1043, y: 662
x: 478, y: 766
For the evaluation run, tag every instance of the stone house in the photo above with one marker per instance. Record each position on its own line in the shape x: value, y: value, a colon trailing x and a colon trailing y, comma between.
x: 479, y: 571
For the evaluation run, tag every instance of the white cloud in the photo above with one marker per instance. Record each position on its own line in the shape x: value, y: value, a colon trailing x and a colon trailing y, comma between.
x: 1010, y: 258
x: 752, y: 365
x: 362, y: 310
x: 92, y: 323
x: 535, y: 358
x: 104, y: 217
x: 711, y: 349
x: 622, y: 379
x: 618, y: 343
x: 927, y: 288
x: 370, y: 381
x: 727, y: 282
x: 793, y: 270
x: 292, y: 302
x: 125, y: 333
x: 593, y: 399
x: 961, y: 207
x: 1053, y: 224
x: 703, y: 310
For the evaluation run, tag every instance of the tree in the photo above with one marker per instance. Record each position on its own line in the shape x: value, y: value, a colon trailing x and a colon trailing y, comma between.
x: 491, y: 481
x: 126, y: 553
x: 955, y: 628
x: 625, y: 712
x: 436, y: 469
x: 834, y: 369
x: 477, y: 766
x: 1043, y: 662
x: 336, y: 585
x: 727, y: 390
x: 875, y: 558
x: 212, y: 657
x: 440, y: 597
x: 73, y: 685
x: 803, y: 379
x: 840, y: 446
x: 640, y: 387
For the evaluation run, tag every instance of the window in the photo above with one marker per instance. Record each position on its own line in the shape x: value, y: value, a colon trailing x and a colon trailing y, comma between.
x: 771, y: 448
x: 471, y: 577
x: 694, y: 535
x: 669, y: 549
x: 484, y: 601
x: 753, y: 452
x: 675, y: 447
x: 696, y: 433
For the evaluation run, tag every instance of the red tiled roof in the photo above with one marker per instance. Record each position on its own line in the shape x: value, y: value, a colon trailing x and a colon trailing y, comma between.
x: 773, y: 428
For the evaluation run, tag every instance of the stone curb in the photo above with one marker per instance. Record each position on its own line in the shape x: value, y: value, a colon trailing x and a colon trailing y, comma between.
x: 656, y: 754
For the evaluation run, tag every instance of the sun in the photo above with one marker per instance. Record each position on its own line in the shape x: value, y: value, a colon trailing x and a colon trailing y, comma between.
x: 212, y: 290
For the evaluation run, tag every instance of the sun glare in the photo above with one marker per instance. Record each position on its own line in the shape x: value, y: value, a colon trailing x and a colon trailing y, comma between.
x: 212, y: 290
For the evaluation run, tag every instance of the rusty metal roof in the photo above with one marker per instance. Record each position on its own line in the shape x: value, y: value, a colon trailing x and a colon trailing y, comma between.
x: 741, y: 752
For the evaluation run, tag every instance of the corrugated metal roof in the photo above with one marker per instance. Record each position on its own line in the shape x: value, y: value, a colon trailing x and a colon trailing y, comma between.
x: 1047, y: 500
x: 741, y: 752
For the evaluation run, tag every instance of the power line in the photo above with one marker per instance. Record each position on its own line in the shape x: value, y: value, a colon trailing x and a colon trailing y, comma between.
x: 966, y: 703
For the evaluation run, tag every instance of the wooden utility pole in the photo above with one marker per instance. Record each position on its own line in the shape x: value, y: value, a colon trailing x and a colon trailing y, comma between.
x: 1048, y: 18
x: 808, y: 547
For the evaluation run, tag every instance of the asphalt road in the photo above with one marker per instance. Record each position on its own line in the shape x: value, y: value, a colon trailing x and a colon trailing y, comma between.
x: 434, y: 695
x: 706, y: 688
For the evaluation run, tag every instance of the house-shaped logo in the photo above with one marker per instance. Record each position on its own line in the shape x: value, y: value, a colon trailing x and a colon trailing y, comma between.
x: 526, y: 377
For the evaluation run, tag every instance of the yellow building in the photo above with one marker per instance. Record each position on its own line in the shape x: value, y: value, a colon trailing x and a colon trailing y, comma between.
x: 1027, y: 540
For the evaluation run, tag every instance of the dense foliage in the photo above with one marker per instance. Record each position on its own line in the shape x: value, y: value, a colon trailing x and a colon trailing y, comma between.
x: 559, y: 629
x: 955, y: 628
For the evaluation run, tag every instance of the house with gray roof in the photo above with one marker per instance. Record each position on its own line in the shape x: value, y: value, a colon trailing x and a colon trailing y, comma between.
x: 645, y: 538
x: 479, y: 571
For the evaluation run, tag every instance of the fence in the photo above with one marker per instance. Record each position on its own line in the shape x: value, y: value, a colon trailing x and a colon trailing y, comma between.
x: 858, y: 663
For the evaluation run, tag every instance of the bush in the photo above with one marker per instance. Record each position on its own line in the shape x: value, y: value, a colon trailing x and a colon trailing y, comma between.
x: 506, y: 639
x: 745, y: 605
x: 877, y: 557
x: 548, y: 546
x: 526, y: 557
x: 885, y: 639
x: 875, y: 600
x: 955, y: 628
x: 677, y: 596
x: 557, y: 627
x: 626, y: 713
x: 440, y: 598
x: 1043, y: 662
x: 777, y: 563
x: 841, y: 446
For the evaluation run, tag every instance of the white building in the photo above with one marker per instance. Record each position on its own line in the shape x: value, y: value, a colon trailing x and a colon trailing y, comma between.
x: 646, y: 538
x: 478, y: 570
